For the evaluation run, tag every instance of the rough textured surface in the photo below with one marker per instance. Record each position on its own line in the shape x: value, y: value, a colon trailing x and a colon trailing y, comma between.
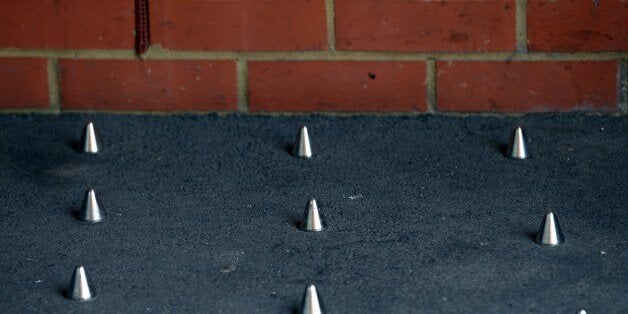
x: 239, y: 25
x: 574, y: 25
x: 148, y: 85
x: 424, y: 213
x: 527, y: 86
x: 23, y: 83
x: 67, y: 24
x: 337, y: 86
x: 376, y: 25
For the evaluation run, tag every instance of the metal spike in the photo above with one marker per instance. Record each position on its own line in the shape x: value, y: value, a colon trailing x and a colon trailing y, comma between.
x: 313, y: 219
x: 311, y: 303
x: 92, y: 210
x: 90, y: 141
x: 550, y: 233
x: 302, y: 148
x: 518, y: 145
x: 80, y: 288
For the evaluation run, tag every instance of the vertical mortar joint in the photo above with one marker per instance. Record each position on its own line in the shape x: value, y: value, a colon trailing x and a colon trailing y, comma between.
x: 54, y: 90
x: 242, y: 71
x: 430, y: 82
x: 331, y: 24
x: 521, y: 25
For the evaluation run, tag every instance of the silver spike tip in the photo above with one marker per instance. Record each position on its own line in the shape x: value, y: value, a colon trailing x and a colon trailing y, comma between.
x: 550, y: 234
x: 311, y: 302
x: 313, y: 219
x: 90, y: 140
x: 80, y: 288
x: 518, y: 145
x: 92, y: 211
x: 302, y: 147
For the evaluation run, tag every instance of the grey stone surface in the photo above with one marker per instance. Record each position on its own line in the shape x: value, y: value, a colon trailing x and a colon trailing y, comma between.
x: 425, y: 214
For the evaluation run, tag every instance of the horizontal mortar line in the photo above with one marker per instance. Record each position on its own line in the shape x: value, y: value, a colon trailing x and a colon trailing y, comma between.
x: 438, y: 113
x: 290, y: 113
x: 161, y: 54
x: 256, y: 113
x: 235, y: 112
x: 140, y: 112
x: 28, y: 111
x: 69, y: 53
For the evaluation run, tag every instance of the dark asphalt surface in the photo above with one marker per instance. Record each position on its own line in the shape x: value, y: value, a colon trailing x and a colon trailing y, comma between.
x: 425, y: 214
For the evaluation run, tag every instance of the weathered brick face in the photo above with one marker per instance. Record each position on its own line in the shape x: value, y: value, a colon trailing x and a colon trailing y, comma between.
x: 24, y: 83
x: 375, y: 25
x: 239, y: 25
x: 337, y: 86
x: 315, y: 55
x: 536, y: 86
x: 67, y: 24
x: 148, y: 85
x: 575, y: 25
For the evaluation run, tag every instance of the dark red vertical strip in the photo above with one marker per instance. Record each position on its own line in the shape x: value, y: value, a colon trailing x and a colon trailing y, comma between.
x: 142, y: 27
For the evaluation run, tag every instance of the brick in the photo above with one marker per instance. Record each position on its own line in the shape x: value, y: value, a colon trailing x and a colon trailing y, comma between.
x: 85, y: 24
x: 23, y: 83
x: 578, y: 25
x: 280, y: 25
x: 148, y: 85
x: 336, y: 86
x: 527, y: 86
x: 375, y: 25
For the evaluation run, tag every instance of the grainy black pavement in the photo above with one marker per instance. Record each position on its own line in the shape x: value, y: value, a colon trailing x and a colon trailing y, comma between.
x: 425, y: 214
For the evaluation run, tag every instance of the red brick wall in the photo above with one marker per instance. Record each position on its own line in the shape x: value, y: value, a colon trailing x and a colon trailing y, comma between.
x: 316, y: 55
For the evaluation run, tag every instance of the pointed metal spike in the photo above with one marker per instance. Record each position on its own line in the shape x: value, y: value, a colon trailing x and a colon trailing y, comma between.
x: 302, y: 147
x: 92, y: 210
x: 80, y: 288
x: 518, y: 145
x: 311, y: 302
x: 90, y: 141
x: 550, y: 233
x: 313, y: 219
